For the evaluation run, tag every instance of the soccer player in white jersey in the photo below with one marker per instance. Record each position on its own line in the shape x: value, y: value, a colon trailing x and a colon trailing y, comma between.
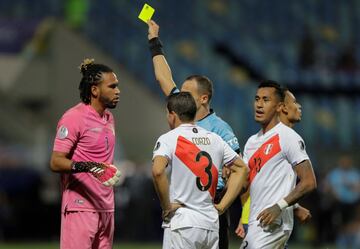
x: 272, y: 187
x: 290, y: 115
x: 186, y: 164
x: 201, y: 88
x: 291, y: 112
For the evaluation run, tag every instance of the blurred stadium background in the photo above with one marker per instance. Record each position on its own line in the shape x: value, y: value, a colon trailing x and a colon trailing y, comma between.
x: 310, y: 46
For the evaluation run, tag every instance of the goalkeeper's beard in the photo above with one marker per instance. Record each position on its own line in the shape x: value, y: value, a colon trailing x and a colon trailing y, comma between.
x: 108, y: 103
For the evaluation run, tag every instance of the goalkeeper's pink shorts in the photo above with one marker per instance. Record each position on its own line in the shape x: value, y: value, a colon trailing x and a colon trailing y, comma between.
x: 87, y: 230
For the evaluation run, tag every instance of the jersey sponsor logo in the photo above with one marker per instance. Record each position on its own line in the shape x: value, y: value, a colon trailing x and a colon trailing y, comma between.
x: 200, y: 164
x: 62, y: 132
x: 195, y: 130
x: 266, y: 151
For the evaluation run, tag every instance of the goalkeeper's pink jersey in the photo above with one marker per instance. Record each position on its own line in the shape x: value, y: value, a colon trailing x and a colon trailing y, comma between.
x: 86, y: 136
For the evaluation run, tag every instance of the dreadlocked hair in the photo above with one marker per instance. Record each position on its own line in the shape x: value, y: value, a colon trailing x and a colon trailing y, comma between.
x: 91, y: 75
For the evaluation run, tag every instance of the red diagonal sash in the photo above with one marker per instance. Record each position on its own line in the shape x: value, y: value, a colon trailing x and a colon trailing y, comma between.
x: 267, y: 151
x: 187, y: 152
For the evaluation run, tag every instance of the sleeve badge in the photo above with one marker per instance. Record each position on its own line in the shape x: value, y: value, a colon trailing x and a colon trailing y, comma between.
x: 157, y: 146
x: 302, y: 145
x: 62, y: 132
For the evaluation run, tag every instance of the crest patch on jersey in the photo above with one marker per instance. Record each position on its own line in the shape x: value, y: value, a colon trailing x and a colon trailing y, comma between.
x: 62, y: 132
x: 268, y: 149
x: 302, y: 145
x: 157, y: 146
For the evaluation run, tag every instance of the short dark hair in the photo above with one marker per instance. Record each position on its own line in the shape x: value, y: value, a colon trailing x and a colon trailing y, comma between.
x: 204, y: 84
x: 91, y: 75
x: 183, y: 104
x: 279, y: 91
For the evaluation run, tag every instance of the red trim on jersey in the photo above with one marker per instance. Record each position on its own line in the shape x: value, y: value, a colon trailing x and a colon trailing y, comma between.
x: 186, y: 151
x: 267, y: 151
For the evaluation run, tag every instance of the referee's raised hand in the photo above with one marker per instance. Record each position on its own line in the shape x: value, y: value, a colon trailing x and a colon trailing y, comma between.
x: 153, y: 29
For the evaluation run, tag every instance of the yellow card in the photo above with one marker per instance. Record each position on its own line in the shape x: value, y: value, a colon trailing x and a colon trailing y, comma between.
x: 146, y: 13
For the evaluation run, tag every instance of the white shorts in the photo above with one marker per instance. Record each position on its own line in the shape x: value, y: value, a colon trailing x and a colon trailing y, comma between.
x: 190, y: 238
x: 257, y: 238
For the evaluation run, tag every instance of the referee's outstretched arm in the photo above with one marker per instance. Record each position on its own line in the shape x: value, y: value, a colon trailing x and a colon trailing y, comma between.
x: 162, y: 70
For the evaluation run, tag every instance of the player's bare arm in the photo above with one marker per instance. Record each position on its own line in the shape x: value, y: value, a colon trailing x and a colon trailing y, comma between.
x: 307, y: 183
x: 161, y: 185
x: 60, y: 162
x: 244, y: 194
x: 161, y: 182
x: 302, y: 214
x: 237, y: 180
x: 226, y: 173
x: 240, y: 231
x: 162, y: 69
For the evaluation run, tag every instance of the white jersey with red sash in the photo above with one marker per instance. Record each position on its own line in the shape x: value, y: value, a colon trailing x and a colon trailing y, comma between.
x: 268, y: 157
x: 195, y: 157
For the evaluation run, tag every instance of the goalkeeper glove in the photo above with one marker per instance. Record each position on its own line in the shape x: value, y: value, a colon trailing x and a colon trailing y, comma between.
x: 106, y: 173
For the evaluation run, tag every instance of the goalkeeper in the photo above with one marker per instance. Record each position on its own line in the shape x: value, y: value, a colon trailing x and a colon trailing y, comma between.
x: 83, y: 153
